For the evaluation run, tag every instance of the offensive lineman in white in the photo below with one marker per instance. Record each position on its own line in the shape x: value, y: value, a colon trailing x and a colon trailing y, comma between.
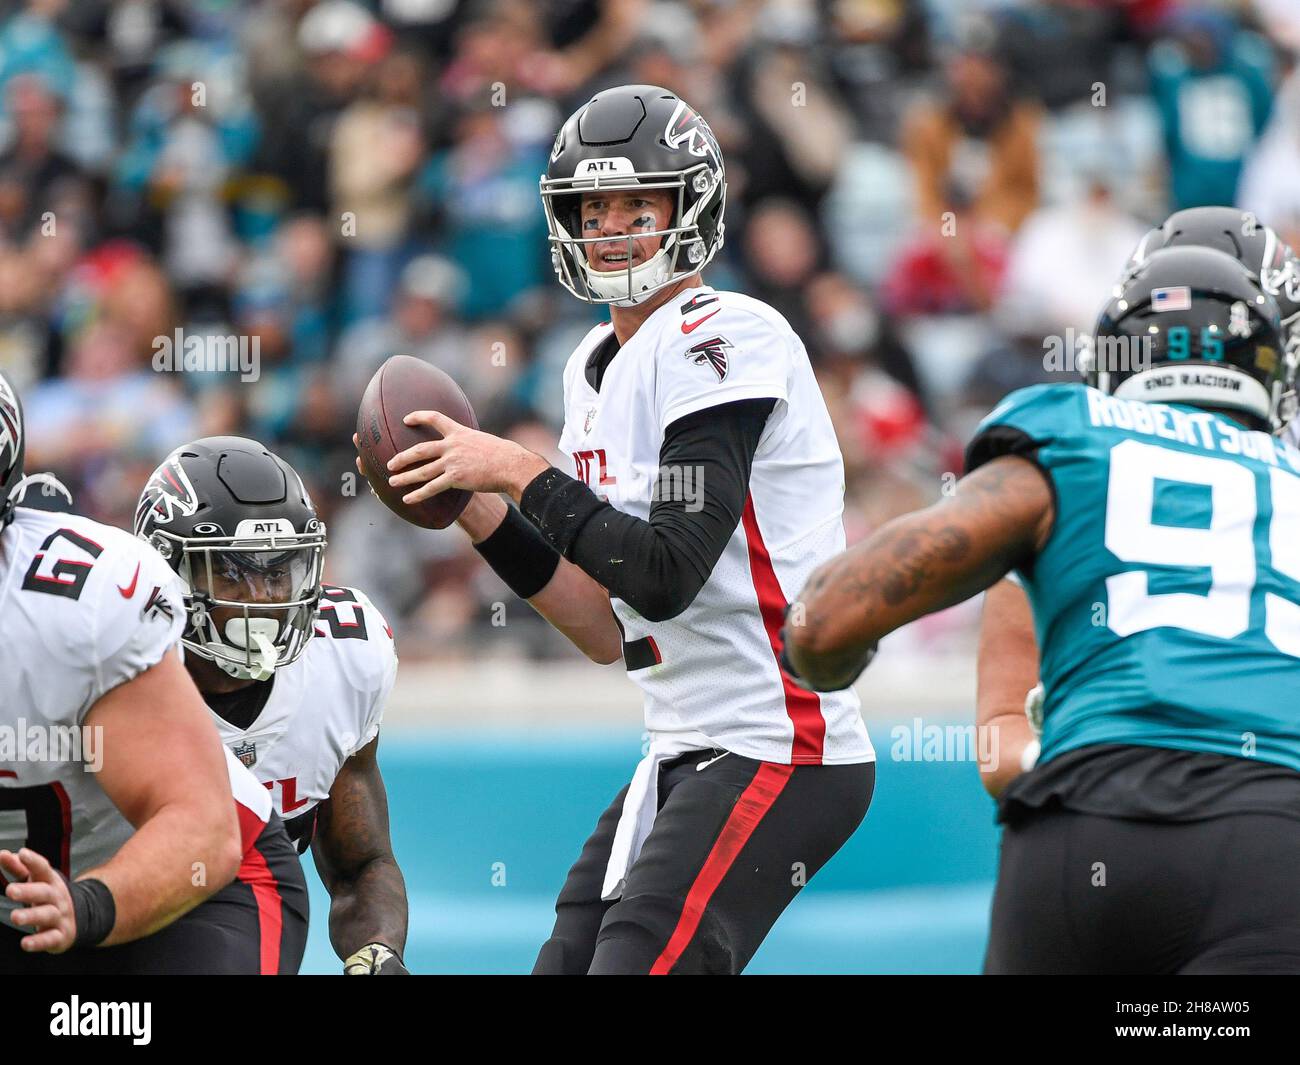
x: 295, y: 672
x: 709, y: 484
x: 89, y: 618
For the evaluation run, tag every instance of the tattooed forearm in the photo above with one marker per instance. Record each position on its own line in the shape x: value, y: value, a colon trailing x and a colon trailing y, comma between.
x: 901, y: 560
x: 915, y: 554
x: 917, y: 564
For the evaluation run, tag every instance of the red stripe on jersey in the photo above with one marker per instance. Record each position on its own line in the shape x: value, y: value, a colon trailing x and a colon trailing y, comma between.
x: 752, y: 806
x: 65, y: 842
x: 254, y: 872
x: 250, y: 826
x: 803, y: 706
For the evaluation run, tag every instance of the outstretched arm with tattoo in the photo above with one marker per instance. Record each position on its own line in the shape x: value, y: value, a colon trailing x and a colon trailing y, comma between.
x: 354, y: 857
x: 922, y: 562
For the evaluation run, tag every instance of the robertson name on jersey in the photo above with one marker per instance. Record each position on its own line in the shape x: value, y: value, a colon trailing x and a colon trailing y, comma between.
x: 1167, y: 598
x: 710, y: 675
x: 322, y: 709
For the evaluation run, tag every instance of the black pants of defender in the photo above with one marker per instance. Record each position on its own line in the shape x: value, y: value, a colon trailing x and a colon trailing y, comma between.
x: 255, y: 925
x: 1079, y: 893
x: 732, y: 844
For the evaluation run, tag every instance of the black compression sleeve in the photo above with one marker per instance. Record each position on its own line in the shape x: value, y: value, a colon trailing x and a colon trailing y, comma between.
x: 519, y: 555
x: 659, y: 566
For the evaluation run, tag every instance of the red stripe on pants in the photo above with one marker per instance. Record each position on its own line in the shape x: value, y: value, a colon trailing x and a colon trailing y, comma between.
x: 750, y: 809
x: 254, y: 872
x: 803, y: 706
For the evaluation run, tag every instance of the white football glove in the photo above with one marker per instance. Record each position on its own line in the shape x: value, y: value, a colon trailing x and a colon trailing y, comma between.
x: 1034, y: 709
x: 1034, y: 714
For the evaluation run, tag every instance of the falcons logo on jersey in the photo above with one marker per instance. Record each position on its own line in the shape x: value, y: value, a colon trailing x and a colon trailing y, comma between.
x: 168, y: 492
x: 711, y: 352
x: 156, y: 606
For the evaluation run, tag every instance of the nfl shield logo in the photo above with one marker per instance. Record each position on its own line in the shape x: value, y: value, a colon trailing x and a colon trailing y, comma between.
x: 246, y: 753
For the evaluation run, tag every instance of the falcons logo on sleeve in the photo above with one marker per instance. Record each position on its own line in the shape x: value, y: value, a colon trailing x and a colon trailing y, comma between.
x: 711, y: 352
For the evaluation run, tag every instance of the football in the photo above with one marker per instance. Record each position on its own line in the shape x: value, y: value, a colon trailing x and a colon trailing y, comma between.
x: 404, y: 384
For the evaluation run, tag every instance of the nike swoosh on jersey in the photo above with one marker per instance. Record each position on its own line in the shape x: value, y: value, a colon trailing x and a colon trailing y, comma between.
x: 688, y: 327
x: 129, y: 590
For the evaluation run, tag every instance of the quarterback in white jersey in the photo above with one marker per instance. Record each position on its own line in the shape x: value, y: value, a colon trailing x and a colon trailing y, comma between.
x: 92, y: 694
x: 711, y: 677
x: 295, y: 672
x: 706, y: 485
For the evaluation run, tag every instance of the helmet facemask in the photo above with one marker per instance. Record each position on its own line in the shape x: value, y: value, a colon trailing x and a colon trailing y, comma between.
x: 267, y: 588
x: 683, y: 250
x: 1283, y: 284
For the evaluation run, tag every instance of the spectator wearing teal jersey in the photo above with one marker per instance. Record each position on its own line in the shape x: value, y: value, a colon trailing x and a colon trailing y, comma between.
x: 486, y: 185
x: 1213, y: 85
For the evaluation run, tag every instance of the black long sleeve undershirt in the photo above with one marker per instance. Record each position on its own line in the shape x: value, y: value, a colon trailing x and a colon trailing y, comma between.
x: 659, y: 566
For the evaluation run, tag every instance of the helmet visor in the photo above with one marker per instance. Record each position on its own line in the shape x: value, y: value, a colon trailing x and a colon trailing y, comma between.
x: 254, y: 577
x: 270, y: 586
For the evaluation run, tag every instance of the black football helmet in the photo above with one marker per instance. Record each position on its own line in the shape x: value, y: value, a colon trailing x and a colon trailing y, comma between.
x: 43, y: 491
x: 235, y: 522
x: 1192, y: 325
x: 12, y: 449
x: 1250, y: 242
x: 634, y: 136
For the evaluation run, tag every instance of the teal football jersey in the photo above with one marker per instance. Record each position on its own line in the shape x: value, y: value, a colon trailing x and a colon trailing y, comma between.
x: 1167, y: 598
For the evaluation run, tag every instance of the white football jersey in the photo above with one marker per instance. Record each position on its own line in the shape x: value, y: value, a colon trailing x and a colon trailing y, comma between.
x: 322, y: 709
x: 710, y: 675
x: 83, y: 608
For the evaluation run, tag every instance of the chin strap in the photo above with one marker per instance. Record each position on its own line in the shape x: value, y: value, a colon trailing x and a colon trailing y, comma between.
x: 644, y: 280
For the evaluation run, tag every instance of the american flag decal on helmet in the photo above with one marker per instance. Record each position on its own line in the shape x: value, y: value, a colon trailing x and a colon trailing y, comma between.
x: 711, y: 352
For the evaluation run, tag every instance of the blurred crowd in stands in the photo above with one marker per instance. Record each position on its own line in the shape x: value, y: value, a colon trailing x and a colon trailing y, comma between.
x: 926, y: 189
